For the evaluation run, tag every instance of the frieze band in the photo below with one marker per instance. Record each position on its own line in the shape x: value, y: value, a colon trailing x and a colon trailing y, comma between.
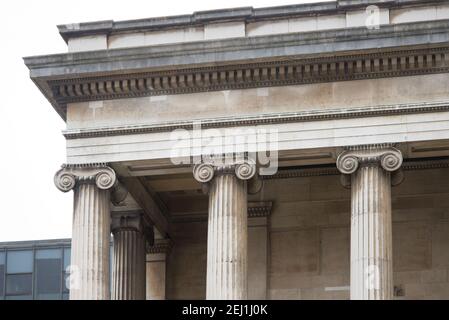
x: 288, y: 117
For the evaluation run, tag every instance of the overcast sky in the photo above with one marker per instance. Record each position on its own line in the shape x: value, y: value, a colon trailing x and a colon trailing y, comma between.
x: 32, y: 146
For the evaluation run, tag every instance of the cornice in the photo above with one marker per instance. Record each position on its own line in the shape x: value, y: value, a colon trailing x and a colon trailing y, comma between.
x: 264, y: 119
x: 254, y: 75
x: 241, y: 63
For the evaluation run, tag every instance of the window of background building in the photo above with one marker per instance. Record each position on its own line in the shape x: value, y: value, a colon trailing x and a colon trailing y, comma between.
x: 36, y: 272
x: 65, y: 275
x: 48, y: 269
x: 2, y: 274
x: 19, y: 275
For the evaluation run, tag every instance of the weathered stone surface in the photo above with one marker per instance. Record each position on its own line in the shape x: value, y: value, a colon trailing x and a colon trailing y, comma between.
x: 318, y: 77
x: 91, y: 228
x: 370, y: 168
x: 128, y: 277
x: 227, y: 243
x: 156, y: 269
x: 295, y: 252
x: 412, y: 243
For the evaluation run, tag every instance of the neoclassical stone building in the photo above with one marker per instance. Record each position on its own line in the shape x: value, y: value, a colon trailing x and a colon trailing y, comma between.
x: 329, y: 129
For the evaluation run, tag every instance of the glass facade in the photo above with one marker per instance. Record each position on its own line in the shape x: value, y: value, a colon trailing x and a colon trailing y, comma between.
x: 19, y: 274
x: 34, y: 270
x: 49, y: 274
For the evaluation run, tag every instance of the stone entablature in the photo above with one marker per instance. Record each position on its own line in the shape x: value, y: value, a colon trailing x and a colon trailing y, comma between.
x: 245, y: 22
x: 331, y: 170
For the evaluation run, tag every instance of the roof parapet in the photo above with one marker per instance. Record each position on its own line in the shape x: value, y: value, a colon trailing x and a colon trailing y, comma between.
x: 75, y: 30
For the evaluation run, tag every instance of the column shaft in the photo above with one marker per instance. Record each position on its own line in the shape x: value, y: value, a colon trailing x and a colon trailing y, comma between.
x: 90, y: 244
x: 227, y: 239
x: 371, y: 242
x: 128, y: 281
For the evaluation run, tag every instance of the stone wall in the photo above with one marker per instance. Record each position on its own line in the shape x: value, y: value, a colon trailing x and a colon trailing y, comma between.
x: 186, y: 265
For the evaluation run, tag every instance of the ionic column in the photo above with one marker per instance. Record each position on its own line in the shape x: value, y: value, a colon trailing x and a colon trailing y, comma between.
x: 370, y: 169
x: 227, y: 238
x: 128, y: 276
x: 91, y: 228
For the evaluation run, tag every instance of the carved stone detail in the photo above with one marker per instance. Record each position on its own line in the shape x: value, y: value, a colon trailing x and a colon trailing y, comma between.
x: 243, y: 169
x: 127, y: 220
x: 91, y: 227
x: 259, y: 209
x: 227, y: 243
x: 368, y: 171
x: 386, y: 156
x: 70, y: 175
x: 275, y: 73
x: 160, y: 246
x: 203, y: 172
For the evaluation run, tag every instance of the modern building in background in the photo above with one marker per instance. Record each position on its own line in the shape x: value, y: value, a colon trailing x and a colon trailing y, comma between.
x: 40, y: 270
x: 34, y: 270
x: 294, y: 152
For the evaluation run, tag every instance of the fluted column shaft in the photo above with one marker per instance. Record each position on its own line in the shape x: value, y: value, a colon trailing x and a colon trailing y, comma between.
x: 371, y: 242
x: 90, y: 243
x: 128, y: 281
x: 227, y: 240
x: 89, y: 274
x: 371, y: 167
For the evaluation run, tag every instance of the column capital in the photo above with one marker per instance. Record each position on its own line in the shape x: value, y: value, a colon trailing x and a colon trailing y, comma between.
x: 132, y: 220
x: 70, y: 175
x: 127, y: 221
x: 385, y: 156
x: 243, y: 169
